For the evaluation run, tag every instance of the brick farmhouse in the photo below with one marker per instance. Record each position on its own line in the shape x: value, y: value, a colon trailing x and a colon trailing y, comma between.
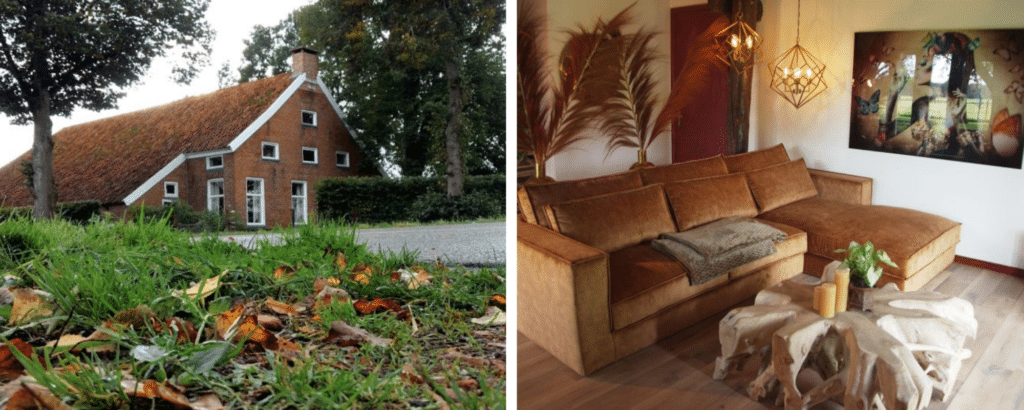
x: 256, y: 149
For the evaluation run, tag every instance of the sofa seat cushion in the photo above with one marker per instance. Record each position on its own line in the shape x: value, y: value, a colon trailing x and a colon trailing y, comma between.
x: 911, y: 238
x: 644, y: 281
x: 533, y: 198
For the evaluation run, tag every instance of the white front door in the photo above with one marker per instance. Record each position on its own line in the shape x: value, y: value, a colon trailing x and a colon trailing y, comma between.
x: 299, y: 211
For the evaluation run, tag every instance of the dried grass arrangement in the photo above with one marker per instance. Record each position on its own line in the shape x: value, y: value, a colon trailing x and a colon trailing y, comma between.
x: 552, y: 117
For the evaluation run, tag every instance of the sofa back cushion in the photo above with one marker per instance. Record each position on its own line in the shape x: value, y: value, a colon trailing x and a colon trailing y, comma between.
x: 614, y: 221
x: 701, y: 168
x: 781, y: 185
x: 699, y: 201
x: 533, y: 198
x: 754, y: 160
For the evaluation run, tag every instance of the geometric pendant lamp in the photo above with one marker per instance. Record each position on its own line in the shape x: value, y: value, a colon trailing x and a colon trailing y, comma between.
x: 797, y: 75
x: 739, y: 46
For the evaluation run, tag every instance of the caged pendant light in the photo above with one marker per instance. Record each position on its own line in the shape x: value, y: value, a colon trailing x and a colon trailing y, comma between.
x: 797, y: 75
x: 739, y: 46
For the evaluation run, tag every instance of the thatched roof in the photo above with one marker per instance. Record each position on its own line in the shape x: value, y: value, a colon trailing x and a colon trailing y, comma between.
x: 107, y: 159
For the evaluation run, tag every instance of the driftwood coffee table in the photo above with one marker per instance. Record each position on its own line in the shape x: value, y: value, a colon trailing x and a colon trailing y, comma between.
x: 893, y: 355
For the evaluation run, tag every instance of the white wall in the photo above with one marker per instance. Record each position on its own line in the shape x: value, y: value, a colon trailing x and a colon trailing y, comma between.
x: 587, y: 158
x: 988, y: 200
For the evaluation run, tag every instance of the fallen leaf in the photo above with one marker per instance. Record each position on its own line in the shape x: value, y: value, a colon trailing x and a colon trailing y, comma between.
x: 307, y: 330
x: 413, y: 279
x: 409, y: 374
x: 320, y: 283
x: 269, y: 322
x: 6, y: 297
x: 178, y: 261
x: 27, y: 306
x: 234, y: 325
x: 202, y: 289
x: 10, y: 367
x: 378, y: 305
x: 68, y: 341
x: 493, y: 317
x: 453, y: 354
x: 441, y: 403
x: 281, y: 308
x: 284, y: 271
x: 343, y: 334
x: 340, y: 261
x: 469, y: 384
x: 162, y: 393
x: 185, y: 330
x: 330, y: 294
x: 498, y: 300
x: 208, y: 402
x: 32, y: 396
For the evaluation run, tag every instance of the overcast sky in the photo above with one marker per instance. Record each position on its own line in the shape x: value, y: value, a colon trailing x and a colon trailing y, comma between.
x: 232, y: 19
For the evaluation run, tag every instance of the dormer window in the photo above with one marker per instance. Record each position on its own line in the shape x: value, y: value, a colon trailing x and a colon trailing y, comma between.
x: 309, y: 156
x: 215, y: 162
x: 270, y: 151
x: 341, y: 159
x: 309, y: 118
x: 171, y: 189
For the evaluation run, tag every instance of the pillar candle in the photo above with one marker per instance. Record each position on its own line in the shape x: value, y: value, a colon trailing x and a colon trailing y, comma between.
x: 816, y: 302
x: 827, y: 306
x: 842, y: 288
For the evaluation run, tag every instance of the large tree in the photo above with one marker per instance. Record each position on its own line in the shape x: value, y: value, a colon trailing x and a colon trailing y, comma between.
x: 56, y: 55
x: 422, y: 81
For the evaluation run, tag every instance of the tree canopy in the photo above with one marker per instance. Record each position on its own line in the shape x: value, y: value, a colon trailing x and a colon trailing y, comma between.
x: 411, y: 75
x: 56, y: 55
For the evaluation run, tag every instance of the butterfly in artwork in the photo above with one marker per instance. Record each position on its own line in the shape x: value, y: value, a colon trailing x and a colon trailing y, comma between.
x: 1006, y: 53
x: 1016, y: 90
x: 1006, y: 132
x: 870, y: 105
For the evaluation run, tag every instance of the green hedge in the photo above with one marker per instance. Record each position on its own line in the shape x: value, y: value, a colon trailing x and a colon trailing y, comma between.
x: 77, y: 212
x: 376, y: 199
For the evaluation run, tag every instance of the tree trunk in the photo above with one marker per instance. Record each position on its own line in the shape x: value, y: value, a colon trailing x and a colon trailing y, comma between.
x: 453, y: 145
x: 43, y: 185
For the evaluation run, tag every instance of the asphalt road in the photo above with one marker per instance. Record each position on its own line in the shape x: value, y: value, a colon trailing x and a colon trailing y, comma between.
x: 470, y: 245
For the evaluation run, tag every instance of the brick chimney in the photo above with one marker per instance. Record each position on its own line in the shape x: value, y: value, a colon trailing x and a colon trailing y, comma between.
x: 304, y: 60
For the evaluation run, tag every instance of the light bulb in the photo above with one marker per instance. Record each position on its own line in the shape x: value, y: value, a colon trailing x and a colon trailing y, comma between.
x: 735, y: 41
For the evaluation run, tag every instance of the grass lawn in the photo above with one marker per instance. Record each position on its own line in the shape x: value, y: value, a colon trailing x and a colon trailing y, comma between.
x: 138, y: 315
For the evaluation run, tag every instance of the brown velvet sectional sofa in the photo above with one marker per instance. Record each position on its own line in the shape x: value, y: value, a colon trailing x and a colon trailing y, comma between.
x: 592, y: 290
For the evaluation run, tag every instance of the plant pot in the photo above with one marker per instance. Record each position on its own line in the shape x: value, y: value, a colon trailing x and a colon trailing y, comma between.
x: 860, y: 298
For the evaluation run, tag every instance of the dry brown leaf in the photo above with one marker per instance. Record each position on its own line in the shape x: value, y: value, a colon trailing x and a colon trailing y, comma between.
x: 270, y: 322
x: 409, y: 374
x: 441, y: 403
x: 178, y: 261
x: 497, y: 299
x: 378, y: 305
x: 163, y: 393
x: 307, y: 330
x: 320, y: 283
x: 469, y: 384
x: 330, y: 294
x: 202, y: 289
x: 340, y: 261
x: 343, y: 334
x: 208, y: 402
x: 10, y: 367
x: 414, y: 279
x: 68, y: 341
x: 184, y: 329
x: 453, y: 354
x: 27, y: 306
x: 281, y: 308
x: 284, y: 271
x: 234, y: 325
x: 32, y: 396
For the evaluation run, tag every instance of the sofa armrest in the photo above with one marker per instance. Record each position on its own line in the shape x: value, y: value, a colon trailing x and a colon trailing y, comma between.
x: 842, y: 187
x: 562, y: 293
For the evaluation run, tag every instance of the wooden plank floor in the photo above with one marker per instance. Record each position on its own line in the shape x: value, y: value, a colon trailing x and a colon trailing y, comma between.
x: 676, y: 372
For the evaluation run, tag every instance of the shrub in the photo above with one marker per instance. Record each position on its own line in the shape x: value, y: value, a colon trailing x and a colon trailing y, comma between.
x: 374, y: 200
x: 78, y: 212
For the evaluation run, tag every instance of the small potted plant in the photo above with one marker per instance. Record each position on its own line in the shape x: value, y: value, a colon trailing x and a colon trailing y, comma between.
x: 862, y: 260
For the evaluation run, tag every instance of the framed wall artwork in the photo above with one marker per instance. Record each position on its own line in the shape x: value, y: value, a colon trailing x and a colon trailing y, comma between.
x: 955, y: 94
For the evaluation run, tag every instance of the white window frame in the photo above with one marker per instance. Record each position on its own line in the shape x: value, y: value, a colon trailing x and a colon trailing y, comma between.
x: 210, y: 196
x: 259, y: 200
x: 348, y: 160
x: 277, y: 151
x: 316, y: 155
x: 166, y: 202
x: 302, y: 118
x: 210, y: 166
x: 168, y: 184
x: 304, y: 198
